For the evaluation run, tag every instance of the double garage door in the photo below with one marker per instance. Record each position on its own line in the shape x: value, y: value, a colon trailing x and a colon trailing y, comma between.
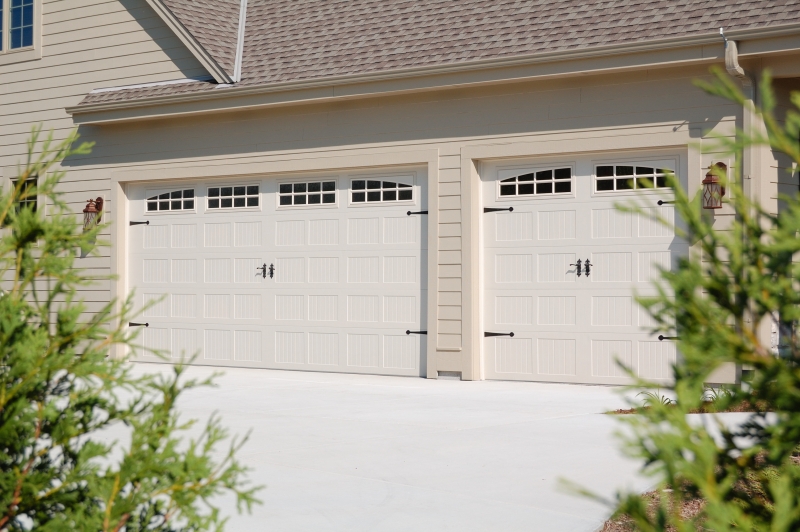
x: 562, y: 264
x: 319, y: 273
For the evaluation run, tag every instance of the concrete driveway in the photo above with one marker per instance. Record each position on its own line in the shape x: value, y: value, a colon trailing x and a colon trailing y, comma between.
x: 368, y: 453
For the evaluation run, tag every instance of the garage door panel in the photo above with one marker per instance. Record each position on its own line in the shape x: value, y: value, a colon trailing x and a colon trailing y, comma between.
x: 311, y: 287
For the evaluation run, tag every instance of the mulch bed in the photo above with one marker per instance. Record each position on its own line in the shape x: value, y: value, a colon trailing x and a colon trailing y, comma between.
x: 707, y: 408
x: 623, y: 523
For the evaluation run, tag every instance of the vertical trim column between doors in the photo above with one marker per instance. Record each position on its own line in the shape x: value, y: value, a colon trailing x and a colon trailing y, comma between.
x: 471, y: 280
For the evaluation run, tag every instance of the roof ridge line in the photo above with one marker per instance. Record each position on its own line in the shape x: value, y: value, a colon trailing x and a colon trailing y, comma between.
x: 189, y: 40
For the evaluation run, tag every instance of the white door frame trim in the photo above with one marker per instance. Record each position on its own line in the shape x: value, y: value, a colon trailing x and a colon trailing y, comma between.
x: 277, y: 165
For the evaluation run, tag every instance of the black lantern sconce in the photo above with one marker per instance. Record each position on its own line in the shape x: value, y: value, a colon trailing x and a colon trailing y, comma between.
x: 713, y: 191
x: 92, y: 214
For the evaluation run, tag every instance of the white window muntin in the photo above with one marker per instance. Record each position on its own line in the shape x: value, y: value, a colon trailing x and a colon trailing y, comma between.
x: 614, y: 177
x: 540, y: 182
x: 233, y: 197
x: 377, y: 190
x: 307, y: 193
x: 173, y: 200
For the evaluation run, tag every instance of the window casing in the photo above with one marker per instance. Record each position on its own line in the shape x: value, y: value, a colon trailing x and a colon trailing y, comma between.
x: 233, y: 197
x: 379, y: 191
x: 18, y: 25
x: 307, y: 193
x: 623, y: 177
x: 30, y: 201
x: 174, y: 200
x: 545, y: 182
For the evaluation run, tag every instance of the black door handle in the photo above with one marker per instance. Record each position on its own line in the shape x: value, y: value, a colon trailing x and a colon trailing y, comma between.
x: 263, y: 270
x: 587, y: 265
x: 416, y: 332
x: 491, y: 334
x: 578, y: 264
x: 497, y: 209
x: 271, y: 270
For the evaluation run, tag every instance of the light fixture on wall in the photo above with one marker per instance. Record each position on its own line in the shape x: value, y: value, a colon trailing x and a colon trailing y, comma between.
x: 713, y: 190
x: 92, y: 213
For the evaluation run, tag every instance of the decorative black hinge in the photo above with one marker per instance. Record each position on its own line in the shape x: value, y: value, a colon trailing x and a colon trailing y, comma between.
x: 132, y: 324
x: 662, y: 202
x: 661, y: 337
x: 416, y: 332
x: 139, y: 223
x: 497, y: 209
x: 491, y: 334
x: 409, y: 213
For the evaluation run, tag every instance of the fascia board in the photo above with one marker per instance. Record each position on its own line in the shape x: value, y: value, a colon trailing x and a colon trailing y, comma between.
x: 665, y: 52
x: 210, y: 64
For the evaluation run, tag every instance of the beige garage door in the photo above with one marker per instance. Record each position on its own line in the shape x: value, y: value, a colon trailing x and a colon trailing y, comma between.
x: 323, y: 272
x: 561, y: 265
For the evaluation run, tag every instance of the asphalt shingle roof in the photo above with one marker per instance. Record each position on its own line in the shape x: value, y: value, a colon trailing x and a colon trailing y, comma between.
x: 297, y: 40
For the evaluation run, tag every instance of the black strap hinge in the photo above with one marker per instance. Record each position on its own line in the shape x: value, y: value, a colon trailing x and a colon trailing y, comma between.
x: 491, y: 334
x: 497, y: 209
x: 409, y: 213
x: 139, y: 223
x: 661, y: 337
x: 132, y: 324
x: 416, y: 332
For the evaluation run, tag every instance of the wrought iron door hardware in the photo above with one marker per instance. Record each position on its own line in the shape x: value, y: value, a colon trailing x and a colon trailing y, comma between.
x: 497, y: 209
x: 409, y: 213
x: 271, y: 271
x: 416, y: 332
x: 263, y: 270
x: 139, y: 223
x: 578, y: 264
x: 586, y: 267
x: 662, y: 202
x: 132, y: 324
x: 661, y: 337
x: 491, y: 334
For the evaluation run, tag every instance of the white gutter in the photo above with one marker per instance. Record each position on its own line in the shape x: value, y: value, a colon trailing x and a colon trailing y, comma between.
x: 237, y: 69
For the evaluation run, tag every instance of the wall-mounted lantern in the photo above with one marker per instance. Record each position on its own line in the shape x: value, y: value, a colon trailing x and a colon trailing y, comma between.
x: 713, y: 191
x: 92, y: 213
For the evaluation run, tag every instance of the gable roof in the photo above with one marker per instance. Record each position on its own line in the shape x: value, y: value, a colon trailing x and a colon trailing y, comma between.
x: 293, y: 41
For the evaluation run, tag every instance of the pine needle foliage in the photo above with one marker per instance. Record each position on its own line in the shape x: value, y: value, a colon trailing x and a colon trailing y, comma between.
x: 60, y: 391
x: 717, y: 299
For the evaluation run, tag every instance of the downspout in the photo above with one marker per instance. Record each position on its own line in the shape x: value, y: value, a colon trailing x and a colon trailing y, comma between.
x: 237, y: 65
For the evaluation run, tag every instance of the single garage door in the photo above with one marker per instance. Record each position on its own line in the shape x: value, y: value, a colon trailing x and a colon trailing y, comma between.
x: 323, y: 272
x: 571, y: 324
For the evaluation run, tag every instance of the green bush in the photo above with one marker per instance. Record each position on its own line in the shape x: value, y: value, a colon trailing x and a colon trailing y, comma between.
x: 59, y: 390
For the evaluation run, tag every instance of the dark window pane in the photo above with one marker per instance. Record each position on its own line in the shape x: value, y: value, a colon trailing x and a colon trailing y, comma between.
x: 646, y: 182
x: 605, y: 184
x: 238, y: 202
x: 239, y: 191
x: 373, y: 196
x: 314, y: 187
x: 509, y: 180
x: 226, y: 191
x: 624, y: 170
x: 661, y: 181
x: 300, y: 200
x: 286, y: 200
x: 213, y: 192
x: 373, y: 184
x: 403, y: 185
x: 252, y: 190
x: 329, y: 198
x: 299, y: 187
x: 164, y: 196
x: 525, y: 189
x: 314, y: 199
x: 605, y: 171
x: 152, y: 198
x: 404, y: 195
x: 525, y: 177
x: 358, y: 197
x: 563, y: 173
x: 389, y: 195
x: 252, y: 202
x: 163, y: 206
x: 329, y: 186
x: 226, y: 203
x: 213, y: 204
x: 643, y: 170
x: 152, y: 206
x: 564, y: 186
x: 389, y: 184
x: 188, y: 193
x: 547, y: 174
x: 508, y: 190
x: 176, y: 205
x: 176, y: 194
x: 359, y: 185
x: 544, y: 188
x: 188, y: 204
x: 286, y: 188
x: 665, y: 171
x: 624, y: 184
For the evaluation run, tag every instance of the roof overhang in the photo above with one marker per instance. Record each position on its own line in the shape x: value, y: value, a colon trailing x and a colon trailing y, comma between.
x: 678, y: 51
